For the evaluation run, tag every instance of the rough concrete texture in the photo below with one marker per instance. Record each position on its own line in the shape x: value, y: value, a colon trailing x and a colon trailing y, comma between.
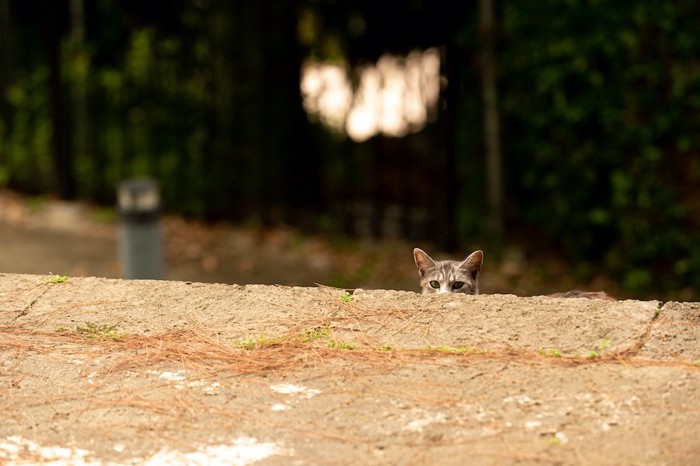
x: 98, y: 371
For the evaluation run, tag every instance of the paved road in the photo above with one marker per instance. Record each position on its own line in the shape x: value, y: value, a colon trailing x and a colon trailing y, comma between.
x: 43, y: 252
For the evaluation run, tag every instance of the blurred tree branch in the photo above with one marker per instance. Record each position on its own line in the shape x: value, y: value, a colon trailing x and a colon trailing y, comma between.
x: 62, y: 157
x: 6, y: 48
x: 492, y: 134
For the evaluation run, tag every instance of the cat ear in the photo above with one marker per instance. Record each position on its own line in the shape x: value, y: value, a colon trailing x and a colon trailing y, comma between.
x: 423, y: 261
x: 473, y: 263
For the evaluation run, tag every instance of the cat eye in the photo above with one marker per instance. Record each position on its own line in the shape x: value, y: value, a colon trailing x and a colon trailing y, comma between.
x: 435, y: 284
x: 457, y: 285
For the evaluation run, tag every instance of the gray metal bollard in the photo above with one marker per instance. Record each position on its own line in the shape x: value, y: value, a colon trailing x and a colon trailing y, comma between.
x: 140, y: 242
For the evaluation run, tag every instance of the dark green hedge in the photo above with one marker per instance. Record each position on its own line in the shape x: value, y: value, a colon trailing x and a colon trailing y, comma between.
x: 599, y: 101
x: 601, y: 111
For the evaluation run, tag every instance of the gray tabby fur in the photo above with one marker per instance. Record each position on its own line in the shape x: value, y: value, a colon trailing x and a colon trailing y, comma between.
x: 449, y: 276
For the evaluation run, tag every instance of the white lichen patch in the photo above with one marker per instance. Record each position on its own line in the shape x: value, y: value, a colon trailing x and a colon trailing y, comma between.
x: 172, y: 376
x: 295, y: 394
x: 241, y: 452
x: 530, y: 425
x: 295, y: 390
x: 213, y: 389
x: 427, y: 419
x: 179, y: 377
x: 18, y: 450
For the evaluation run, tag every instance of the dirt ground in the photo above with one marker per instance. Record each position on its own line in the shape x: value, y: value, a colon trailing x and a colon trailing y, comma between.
x: 41, y: 236
x: 101, y: 371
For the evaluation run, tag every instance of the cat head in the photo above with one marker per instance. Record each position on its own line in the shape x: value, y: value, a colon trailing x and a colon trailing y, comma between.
x: 449, y: 276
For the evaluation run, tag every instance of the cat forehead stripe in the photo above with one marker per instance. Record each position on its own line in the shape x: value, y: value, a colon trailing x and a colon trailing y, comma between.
x: 452, y: 276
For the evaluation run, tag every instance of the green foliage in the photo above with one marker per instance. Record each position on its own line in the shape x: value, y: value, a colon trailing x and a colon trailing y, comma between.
x: 57, y: 278
x: 335, y: 344
x: 599, y: 101
x: 24, y: 150
x: 594, y: 354
x: 452, y: 349
x: 601, y: 108
x: 604, y: 344
x: 170, y: 93
x: 552, y: 352
x: 93, y: 331
x: 255, y: 343
x: 315, y: 334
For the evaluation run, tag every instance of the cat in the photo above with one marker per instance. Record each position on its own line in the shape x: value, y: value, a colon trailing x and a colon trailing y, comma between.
x: 463, y: 277
x: 449, y: 276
